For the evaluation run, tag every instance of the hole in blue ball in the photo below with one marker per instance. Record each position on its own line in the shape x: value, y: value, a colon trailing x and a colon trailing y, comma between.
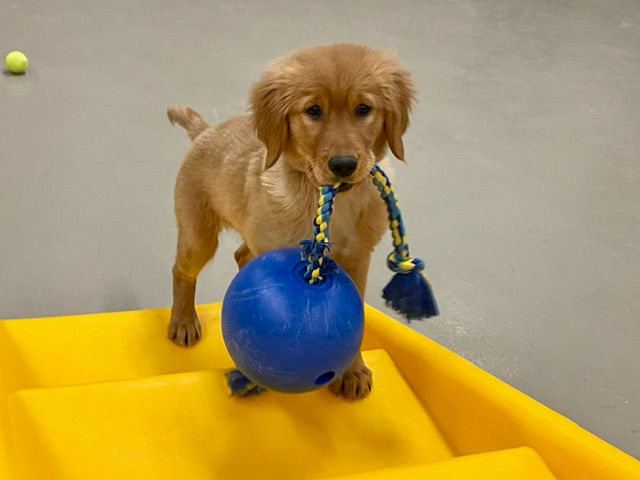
x: 325, y: 378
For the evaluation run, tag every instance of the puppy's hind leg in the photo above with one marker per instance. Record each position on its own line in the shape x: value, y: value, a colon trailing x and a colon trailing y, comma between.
x: 243, y: 256
x: 198, y: 229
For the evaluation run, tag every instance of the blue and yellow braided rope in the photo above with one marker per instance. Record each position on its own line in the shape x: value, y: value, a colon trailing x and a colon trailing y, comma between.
x: 315, y: 249
x: 408, y: 292
x: 399, y: 260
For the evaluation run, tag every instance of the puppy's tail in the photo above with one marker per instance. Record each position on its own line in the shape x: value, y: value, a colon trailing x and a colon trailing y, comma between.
x: 189, y: 119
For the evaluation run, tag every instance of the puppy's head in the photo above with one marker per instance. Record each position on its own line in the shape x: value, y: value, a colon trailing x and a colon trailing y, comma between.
x: 332, y: 110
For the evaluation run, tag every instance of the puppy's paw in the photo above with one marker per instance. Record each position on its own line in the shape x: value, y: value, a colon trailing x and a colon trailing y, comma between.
x: 185, y: 330
x: 355, y: 384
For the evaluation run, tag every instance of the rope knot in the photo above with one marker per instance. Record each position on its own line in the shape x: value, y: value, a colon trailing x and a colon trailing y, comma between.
x: 404, y: 265
x: 311, y: 248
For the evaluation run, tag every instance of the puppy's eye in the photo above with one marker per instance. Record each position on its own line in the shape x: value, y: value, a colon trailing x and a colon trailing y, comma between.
x: 314, y: 111
x: 362, y: 110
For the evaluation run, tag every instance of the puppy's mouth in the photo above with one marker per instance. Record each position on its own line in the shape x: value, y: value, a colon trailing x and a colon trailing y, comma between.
x: 321, y: 177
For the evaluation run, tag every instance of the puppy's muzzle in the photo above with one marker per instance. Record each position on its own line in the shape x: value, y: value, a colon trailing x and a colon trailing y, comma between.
x: 343, y: 166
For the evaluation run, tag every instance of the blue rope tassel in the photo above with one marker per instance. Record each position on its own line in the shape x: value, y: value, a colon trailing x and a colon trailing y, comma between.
x: 409, y: 292
x: 240, y: 385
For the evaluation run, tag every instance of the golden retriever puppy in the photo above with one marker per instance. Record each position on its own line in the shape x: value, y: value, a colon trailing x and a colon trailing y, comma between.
x: 320, y: 116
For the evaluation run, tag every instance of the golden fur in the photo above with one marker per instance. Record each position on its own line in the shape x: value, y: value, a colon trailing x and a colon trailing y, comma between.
x: 259, y: 173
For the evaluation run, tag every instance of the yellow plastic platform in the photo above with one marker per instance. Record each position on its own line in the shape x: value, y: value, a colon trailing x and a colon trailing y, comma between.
x: 107, y: 396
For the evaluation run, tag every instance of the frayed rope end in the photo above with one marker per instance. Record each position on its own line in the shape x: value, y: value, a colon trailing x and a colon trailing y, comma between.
x: 313, y: 248
x: 240, y: 385
x: 410, y: 294
x: 314, y: 253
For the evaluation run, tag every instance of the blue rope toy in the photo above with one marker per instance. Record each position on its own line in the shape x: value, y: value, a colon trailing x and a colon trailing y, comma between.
x: 408, y: 293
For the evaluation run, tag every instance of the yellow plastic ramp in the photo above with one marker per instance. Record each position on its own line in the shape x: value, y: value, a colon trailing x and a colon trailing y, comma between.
x: 513, y: 464
x: 107, y: 396
x: 187, y: 426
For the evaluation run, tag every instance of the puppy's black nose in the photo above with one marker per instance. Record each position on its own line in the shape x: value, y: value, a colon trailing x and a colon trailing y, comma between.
x: 343, y: 165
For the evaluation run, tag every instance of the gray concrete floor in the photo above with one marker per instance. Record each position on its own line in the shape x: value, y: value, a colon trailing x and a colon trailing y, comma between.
x: 522, y: 188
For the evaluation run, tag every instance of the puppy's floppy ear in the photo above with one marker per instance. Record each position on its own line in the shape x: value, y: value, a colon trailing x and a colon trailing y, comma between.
x: 399, y: 96
x: 270, y: 99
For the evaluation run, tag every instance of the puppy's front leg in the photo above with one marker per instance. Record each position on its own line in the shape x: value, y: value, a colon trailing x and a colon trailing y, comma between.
x: 184, y: 326
x: 356, y: 382
x: 198, y: 229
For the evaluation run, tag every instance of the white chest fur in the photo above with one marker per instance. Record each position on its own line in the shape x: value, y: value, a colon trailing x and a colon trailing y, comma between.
x: 358, y: 219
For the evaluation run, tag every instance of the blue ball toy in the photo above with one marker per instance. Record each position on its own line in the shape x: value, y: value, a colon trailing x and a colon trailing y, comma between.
x: 286, y: 334
x: 293, y: 321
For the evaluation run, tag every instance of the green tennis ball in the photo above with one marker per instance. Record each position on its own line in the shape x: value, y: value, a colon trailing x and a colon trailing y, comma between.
x: 16, y: 62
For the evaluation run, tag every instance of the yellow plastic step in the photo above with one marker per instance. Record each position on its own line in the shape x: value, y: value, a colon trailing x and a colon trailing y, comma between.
x: 521, y: 463
x: 56, y: 351
x: 109, y: 396
x: 187, y: 426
